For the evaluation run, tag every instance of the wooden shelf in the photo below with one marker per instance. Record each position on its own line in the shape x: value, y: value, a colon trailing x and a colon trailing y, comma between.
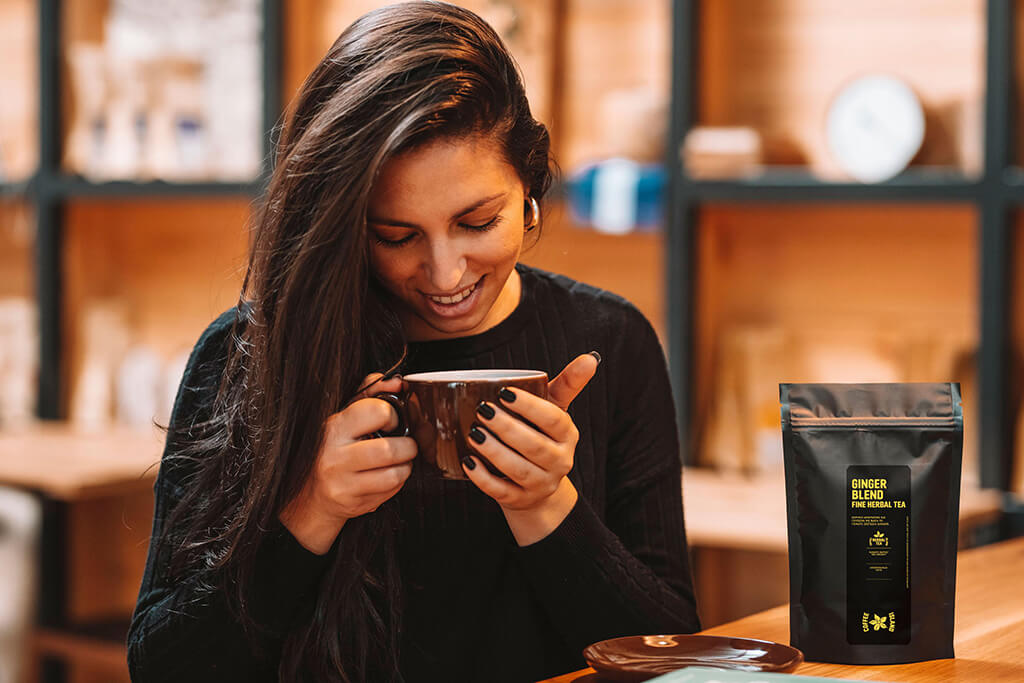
x: 74, y: 465
x: 13, y: 190
x: 73, y: 187
x: 799, y: 184
x: 736, y: 528
x: 737, y: 512
x: 97, y: 647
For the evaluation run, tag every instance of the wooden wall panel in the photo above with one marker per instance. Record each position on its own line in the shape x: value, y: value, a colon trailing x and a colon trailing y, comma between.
x: 1018, y: 93
x: 776, y: 65
x: 312, y: 27
x: 826, y: 291
x: 19, y: 80
x: 17, y: 243
x: 610, y: 94
x: 731, y: 584
x: 170, y: 266
x: 617, y: 76
x: 82, y: 21
x: 1016, y: 323
x: 628, y: 265
x: 108, y: 542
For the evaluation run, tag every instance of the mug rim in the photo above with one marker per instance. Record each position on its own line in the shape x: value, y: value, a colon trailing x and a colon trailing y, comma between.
x: 465, y: 376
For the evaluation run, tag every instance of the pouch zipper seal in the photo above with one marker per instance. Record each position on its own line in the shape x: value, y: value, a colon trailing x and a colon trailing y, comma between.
x: 874, y: 423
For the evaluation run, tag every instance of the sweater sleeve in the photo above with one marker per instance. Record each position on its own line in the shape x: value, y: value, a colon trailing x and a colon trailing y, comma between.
x: 180, y: 630
x: 628, y: 573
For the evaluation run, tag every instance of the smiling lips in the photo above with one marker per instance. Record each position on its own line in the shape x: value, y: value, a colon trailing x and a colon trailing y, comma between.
x: 448, y: 300
x: 459, y: 304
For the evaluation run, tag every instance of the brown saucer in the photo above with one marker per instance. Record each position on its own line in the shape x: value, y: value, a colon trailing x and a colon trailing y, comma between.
x: 638, y: 658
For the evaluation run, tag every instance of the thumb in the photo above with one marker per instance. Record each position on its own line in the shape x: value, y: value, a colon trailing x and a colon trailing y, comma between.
x: 562, y: 390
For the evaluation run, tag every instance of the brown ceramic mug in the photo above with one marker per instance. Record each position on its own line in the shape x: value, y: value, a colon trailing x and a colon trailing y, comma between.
x: 437, y: 409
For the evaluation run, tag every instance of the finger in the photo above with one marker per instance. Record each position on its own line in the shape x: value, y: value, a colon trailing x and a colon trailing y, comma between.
x: 516, y: 467
x: 371, y: 454
x: 360, y: 419
x: 499, y: 489
x: 381, y: 480
x: 374, y: 384
x: 562, y: 390
x: 522, y: 438
x: 391, y: 386
x: 548, y: 417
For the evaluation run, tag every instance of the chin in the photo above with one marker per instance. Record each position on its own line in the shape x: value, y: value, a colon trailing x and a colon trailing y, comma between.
x: 453, y: 326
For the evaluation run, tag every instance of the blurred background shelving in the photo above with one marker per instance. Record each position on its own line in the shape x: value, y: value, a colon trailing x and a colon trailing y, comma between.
x: 110, y: 261
x: 794, y: 260
x: 787, y: 270
x: 795, y: 269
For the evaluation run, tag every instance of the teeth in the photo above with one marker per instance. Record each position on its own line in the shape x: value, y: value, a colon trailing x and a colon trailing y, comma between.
x: 454, y: 299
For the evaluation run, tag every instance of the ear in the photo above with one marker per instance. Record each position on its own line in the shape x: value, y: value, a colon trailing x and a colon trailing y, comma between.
x: 531, y: 214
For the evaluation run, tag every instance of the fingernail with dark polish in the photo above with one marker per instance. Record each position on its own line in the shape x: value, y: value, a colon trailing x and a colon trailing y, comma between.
x: 468, y: 462
x: 485, y: 410
x: 596, y: 355
x: 507, y: 395
x: 477, y: 435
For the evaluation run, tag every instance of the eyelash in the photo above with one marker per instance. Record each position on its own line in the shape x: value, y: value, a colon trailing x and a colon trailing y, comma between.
x: 473, y: 228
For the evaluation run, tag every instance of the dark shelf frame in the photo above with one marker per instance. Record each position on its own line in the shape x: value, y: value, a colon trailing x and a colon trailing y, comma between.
x: 799, y: 185
x: 996, y: 195
x: 13, y: 190
x: 75, y: 187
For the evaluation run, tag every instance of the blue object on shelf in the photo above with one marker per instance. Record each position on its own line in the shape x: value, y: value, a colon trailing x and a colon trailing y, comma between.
x: 618, y: 196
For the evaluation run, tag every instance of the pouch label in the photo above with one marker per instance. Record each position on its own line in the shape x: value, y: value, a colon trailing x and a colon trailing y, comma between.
x: 878, y: 554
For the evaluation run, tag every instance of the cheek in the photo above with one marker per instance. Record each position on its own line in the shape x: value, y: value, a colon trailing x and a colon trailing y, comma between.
x: 390, y: 268
x: 502, y: 247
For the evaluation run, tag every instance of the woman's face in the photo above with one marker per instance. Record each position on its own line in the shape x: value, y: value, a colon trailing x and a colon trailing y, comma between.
x: 445, y: 223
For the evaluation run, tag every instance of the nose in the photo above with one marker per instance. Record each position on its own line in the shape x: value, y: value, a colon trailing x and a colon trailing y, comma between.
x: 446, y: 265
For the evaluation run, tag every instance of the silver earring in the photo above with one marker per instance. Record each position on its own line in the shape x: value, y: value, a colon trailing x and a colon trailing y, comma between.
x: 534, y: 215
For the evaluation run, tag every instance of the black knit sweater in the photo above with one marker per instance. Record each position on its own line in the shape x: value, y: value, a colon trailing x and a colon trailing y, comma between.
x: 476, y: 606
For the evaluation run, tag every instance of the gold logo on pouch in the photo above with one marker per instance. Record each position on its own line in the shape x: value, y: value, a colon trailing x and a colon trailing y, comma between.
x: 870, y: 621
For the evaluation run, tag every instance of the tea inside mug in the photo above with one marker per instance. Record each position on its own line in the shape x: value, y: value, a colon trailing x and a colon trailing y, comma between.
x: 471, y: 375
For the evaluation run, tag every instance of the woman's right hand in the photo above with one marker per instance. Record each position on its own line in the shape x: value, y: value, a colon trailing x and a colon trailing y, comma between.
x: 353, y: 474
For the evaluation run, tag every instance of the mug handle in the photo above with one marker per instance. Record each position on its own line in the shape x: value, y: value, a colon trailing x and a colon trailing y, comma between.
x: 398, y: 403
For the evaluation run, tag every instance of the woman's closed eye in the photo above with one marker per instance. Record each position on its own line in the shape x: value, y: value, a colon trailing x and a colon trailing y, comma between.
x: 473, y: 227
x: 384, y: 242
x: 482, y: 227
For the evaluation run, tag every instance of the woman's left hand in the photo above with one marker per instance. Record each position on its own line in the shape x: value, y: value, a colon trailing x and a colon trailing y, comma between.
x: 537, y: 495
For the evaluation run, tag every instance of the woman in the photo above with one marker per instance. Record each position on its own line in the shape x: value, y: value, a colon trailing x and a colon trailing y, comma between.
x: 289, y: 543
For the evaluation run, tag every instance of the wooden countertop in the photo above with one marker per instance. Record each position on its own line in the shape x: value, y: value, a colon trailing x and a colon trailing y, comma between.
x: 69, y: 464
x: 749, y: 513
x: 988, y: 636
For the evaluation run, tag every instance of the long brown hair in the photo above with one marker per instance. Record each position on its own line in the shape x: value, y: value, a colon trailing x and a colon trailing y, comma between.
x: 314, y: 322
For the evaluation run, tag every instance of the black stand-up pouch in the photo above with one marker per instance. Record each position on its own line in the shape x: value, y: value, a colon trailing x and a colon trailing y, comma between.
x: 872, y: 501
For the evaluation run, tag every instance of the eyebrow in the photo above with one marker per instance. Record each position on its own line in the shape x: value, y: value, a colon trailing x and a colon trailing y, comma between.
x: 469, y: 209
